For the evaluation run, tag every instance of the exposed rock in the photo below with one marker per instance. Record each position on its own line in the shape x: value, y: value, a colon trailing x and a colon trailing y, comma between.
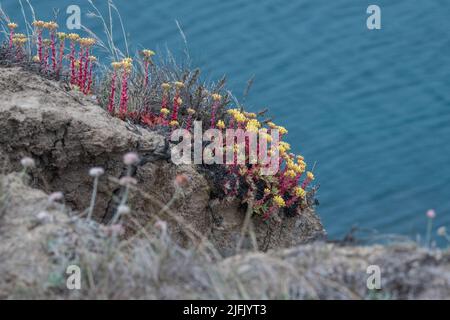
x: 67, y: 134
x: 35, y: 249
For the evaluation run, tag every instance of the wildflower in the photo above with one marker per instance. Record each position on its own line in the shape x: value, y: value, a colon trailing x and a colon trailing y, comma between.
x: 299, y: 192
x: 39, y: 24
x: 216, y: 98
x: 52, y: 26
x: 92, y: 60
x: 290, y: 174
x: 11, y: 27
x: 85, y: 45
x: 282, y: 130
x: 44, y: 216
x: 116, y: 66
x: 73, y: 37
x: 309, y: 178
x: 165, y: 86
x: 96, y: 172
x: 130, y: 158
x: 279, y: 201
x: 431, y: 214
x: 165, y: 111
x: 174, y: 123
x: 127, y: 64
x: 147, y: 60
x: 267, y: 191
x: 27, y: 162
x: 36, y: 58
x: 162, y: 225
x: 221, y: 124
x: 179, y: 85
x: 55, y: 197
x: 61, y: 36
x: 250, y: 115
x: 191, y: 111
x: 442, y: 231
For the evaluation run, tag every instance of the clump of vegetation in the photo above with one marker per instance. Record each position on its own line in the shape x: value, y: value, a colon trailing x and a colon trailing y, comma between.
x: 164, y: 97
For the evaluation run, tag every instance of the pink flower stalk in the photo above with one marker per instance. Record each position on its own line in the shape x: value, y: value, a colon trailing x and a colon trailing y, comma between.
x: 72, y: 62
x: 176, y: 106
x: 216, y: 98
x: 61, y: 54
x: 85, y: 69
x: 146, y: 64
x: 309, y: 178
x: 89, y: 78
x: 53, y: 47
x: 11, y: 26
x: 80, y: 68
x: 123, y: 107
x: 39, y: 43
x: 113, y: 93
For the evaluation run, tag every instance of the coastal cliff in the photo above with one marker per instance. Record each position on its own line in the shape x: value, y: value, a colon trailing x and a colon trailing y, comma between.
x: 176, y: 242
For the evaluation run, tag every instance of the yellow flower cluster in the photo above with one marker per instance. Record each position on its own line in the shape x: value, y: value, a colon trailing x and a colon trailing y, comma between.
x: 61, y: 35
x: 12, y: 25
x: 127, y: 64
x: 220, y: 124
x: 73, y: 36
x: 191, y: 111
x: 216, y: 97
x: 165, y: 86
x: 174, y: 123
x: 299, y: 192
x: 165, y: 111
x: 179, y: 84
x: 87, y: 42
x: 51, y: 25
x: 20, y: 39
x: 38, y: 24
x: 148, y: 53
x: 279, y: 201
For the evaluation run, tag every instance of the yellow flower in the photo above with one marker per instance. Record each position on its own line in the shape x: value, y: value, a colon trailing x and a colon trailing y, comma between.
x: 179, y: 84
x: 148, y: 53
x: 239, y: 117
x: 174, y: 123
x: 310, y: 175
x: 47, y: 42
x: 290, y: 174
x: 92, y: 58
x: 299, y: 192
x: 51, y: 25
x: 279, y: 201
x: 61, y: 35
x: 216, y: 97
x: 191, y: 111
x: 271, y: 125
x: 36, y: 59
x: 220, y: 124
x: 254, y: 122
x: 116, y: 65
x: 267, y: 191
x: 285, y: 145
x: 250, y: 115
x: 12, y: 25
x: 179, y: 101
x: 165, y: 111
x: 165, y: 86
x: 73, y: 36
x: 282, y: 130
x: 38, y: 24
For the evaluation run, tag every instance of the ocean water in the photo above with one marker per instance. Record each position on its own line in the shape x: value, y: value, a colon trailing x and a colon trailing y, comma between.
x: 371, y: 109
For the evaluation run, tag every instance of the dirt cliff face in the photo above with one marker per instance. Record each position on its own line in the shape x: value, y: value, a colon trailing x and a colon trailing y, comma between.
x: 67, y: 134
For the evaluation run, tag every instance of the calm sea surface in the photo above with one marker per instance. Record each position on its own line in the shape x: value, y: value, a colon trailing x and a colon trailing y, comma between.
x: 370, y: 108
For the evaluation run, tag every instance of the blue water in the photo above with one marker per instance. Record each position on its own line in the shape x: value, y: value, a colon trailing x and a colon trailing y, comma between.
x: 371, y: 108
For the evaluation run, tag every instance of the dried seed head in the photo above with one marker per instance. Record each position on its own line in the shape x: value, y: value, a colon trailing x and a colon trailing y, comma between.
x: 442, y: 231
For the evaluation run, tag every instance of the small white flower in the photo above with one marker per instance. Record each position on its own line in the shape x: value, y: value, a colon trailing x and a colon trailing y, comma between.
x: 442, y: 231
x: 96, y: 172
x: 130, y: 158
x: 27, y: 162
x: 55, y: 196
x: 123, y: 209
x: 162, y: 225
